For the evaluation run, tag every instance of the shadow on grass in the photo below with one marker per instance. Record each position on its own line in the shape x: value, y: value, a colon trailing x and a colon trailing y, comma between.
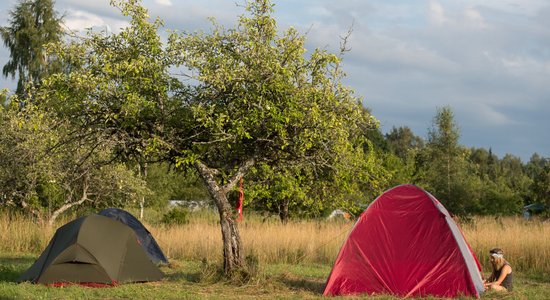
x: 183, y: 276
x: 11, y: 268
x: 309, y: 285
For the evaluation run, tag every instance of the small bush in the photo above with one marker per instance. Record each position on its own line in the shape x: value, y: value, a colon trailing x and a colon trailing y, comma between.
x: 176, y: 216
x: 210, y: 272
x: 250, y: 273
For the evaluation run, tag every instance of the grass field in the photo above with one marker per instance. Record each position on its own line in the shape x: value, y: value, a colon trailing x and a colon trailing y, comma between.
x: 294, y: 260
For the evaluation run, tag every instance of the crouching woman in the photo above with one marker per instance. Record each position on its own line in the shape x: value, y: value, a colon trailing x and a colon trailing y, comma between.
x: 501, y: 278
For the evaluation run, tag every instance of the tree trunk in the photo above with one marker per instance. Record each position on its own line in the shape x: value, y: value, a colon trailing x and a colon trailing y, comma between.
x: 143, y: 175
x: 283, y: 212
x: 141, y: 207
x: 449, y: 178
x: 232, y: 245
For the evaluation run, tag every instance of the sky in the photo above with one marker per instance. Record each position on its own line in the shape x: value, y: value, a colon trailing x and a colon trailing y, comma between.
x: 489, y: 60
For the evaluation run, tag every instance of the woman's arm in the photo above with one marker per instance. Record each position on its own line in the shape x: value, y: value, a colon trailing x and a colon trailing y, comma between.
x: 506, y: 269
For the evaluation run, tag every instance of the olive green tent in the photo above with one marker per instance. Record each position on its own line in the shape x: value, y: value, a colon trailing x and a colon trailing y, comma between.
x: 93, y: 250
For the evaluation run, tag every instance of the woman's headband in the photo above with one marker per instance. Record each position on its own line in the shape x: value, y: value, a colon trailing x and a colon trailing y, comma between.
x: 496, y: 255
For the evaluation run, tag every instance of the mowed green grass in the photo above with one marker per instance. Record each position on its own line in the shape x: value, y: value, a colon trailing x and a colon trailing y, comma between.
x: 191, y: 280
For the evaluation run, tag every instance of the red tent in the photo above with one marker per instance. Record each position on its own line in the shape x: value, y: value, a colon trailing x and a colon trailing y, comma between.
x: 406, y: 244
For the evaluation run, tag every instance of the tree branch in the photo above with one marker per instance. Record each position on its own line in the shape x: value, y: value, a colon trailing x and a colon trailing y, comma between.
x: 241, y: 171
x: 69, y: 204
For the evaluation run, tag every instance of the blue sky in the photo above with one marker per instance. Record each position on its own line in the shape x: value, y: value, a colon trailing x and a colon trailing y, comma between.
x: 489, y: 60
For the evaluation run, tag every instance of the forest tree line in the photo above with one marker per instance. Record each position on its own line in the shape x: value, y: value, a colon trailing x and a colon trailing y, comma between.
x: 100, y: 120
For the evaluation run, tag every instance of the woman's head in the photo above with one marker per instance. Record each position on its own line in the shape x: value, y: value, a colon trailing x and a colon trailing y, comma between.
x: 497, y: 258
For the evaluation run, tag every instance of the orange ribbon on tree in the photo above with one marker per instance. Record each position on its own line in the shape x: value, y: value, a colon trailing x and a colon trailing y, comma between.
x: 240, y: 201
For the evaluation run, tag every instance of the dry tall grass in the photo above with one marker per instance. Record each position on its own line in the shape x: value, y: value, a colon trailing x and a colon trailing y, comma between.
x: 526, y: 244
x: 270, y: 242
x: 21, y: 235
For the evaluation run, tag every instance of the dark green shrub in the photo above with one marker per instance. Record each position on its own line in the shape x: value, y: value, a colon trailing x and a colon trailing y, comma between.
x: 176, y: 216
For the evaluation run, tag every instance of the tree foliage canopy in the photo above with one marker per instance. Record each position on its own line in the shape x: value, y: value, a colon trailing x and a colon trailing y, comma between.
x: 259, y: 95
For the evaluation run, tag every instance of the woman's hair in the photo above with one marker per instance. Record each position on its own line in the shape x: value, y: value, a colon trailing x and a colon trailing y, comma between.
x: 498, y: 256
x: 496, y: 251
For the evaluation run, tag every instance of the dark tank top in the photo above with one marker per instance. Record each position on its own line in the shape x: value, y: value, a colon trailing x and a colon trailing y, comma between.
x: 507, y: 282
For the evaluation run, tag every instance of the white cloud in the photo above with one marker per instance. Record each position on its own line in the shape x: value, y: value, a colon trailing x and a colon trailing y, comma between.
x: 389, y: 54
x: 489, y: 115
x: 458, y: 17
x: 474, y: 18
x: 76, y: 20
x: 319, y: 11
x: 437, y: 13
x: 522, y: 7
x: 164, y: 2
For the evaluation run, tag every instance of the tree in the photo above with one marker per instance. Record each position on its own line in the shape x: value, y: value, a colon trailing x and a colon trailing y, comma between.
x: 541, y: 186
x: 352, y: 181
x: 257, y: 99
x: 32, y: 25
x: 402, y: 140
x: 512, y: 174
x: 43, y: 177
x: 538, y: 170
x: 443, y: 140
x: 260, y: 100
x: 355, y: 177
x: 443, y: 167
x: 282, y: 192
x: 404, y: 147
x: 480, y: 158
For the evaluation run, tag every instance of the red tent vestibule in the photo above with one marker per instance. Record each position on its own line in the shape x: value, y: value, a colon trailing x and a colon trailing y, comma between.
x: 406, y: 244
